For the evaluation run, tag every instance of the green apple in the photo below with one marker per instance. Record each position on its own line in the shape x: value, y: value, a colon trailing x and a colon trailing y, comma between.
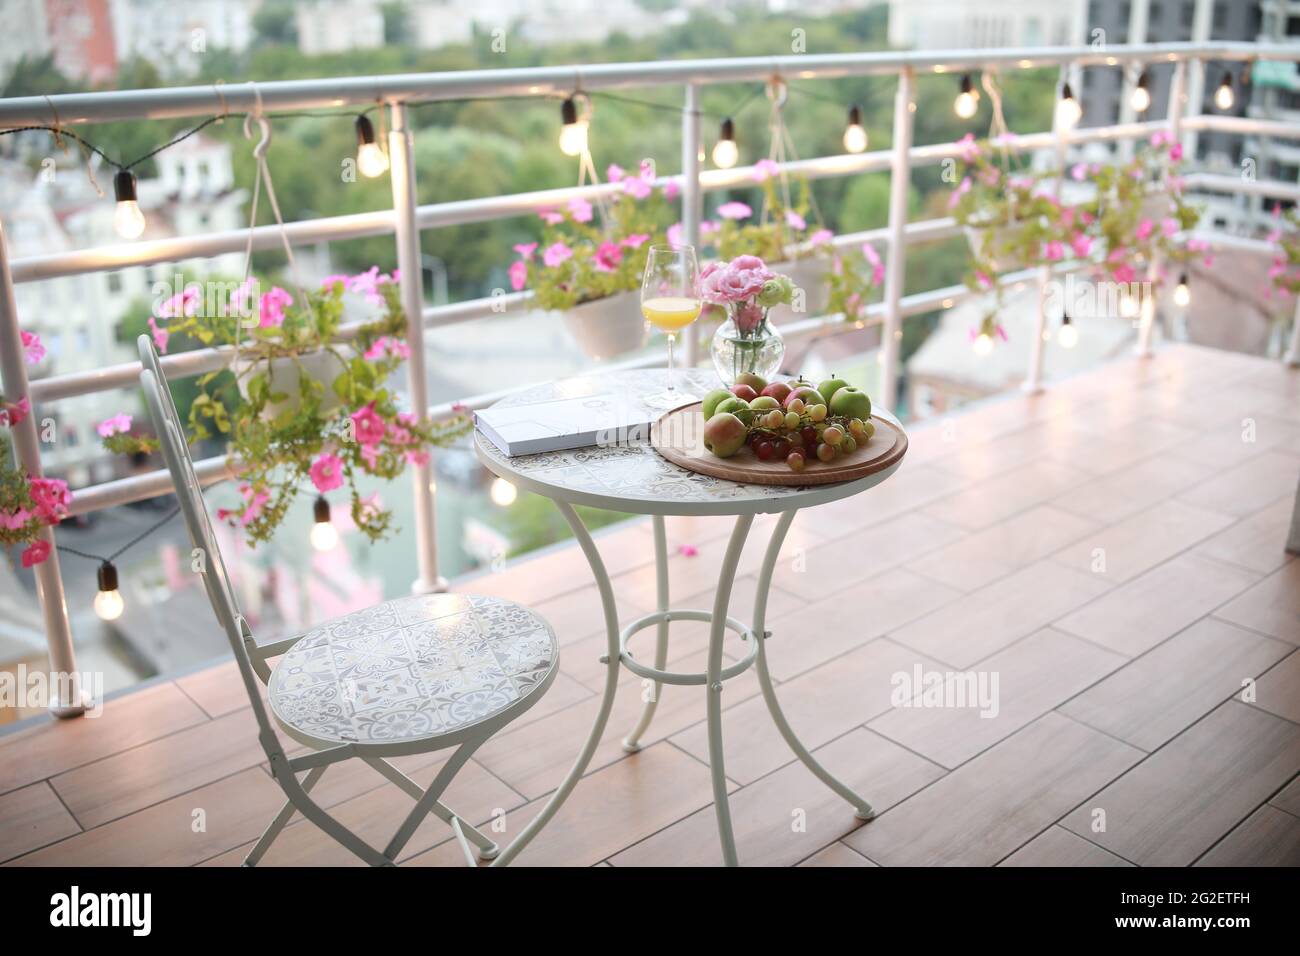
x: 764, y: 403
x: 710, y: 404
x: 724, y: 434
x: 738, y: 407
x: 851, y: 402
x: 756, y: 382
x: 829, y: 387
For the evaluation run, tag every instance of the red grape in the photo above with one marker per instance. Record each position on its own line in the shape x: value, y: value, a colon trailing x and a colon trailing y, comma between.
x: 764, y: 449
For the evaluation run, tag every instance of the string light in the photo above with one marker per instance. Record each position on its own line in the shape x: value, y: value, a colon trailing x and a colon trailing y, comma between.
x: 725, y: 150
x: 1182, y: 294
x: 1140, y: 98
x: 1068, y: 111
x: 128, y: 220
x: 1068, y: 334
x: 573, y: 132
x: 108, y: 601
x: 371, y: 159
x: 855, y: 134
x: 503, y: 493
x: 1224, y: 96
x: 983, y: 344
x: 967, y: 101
x: 324, y: 536
x: 1128, y: 306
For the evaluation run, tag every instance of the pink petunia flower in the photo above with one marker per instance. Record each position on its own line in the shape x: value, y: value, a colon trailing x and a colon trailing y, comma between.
x: 1054, y: 251
x: 671, y: 189
x: 969, y: 149
x: 51, y: 497
x: 607, y: 257
x: 676, y: 235
x: 1145, y: 228
x: 734, y: 210
x: 1081, y: 244
x: 550, y: 217
x: 33, y: 349
x: 327, y: 472
x: 11, y: 413
x: 368, y: 426
x: 765, y: 169
x: 820, y: 236
x: 795, y: 221
x: 119, y: 424
x: 160, y: 336
x: 556, y: 254
x: 518, y: 272
x: 635, y: 241
x: 580, y: 209
x: 185, y: 302
x: 526, y: 250
x: 386, y: 346
x: 614, y: 173
x: 35, y: 553
x: 15, y: 520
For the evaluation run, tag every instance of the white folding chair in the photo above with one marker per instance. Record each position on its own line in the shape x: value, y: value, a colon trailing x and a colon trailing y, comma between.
x: 414, y: 675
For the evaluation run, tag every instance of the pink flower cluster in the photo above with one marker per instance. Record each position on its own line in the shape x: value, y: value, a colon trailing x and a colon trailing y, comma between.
x: 364, y: 283
x: 119, y: 424
x: 255, y: 500
x: 722, y: 283
x: 388, y: 347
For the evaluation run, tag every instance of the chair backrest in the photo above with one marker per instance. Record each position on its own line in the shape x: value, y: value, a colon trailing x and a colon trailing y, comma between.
x: 212, y: 569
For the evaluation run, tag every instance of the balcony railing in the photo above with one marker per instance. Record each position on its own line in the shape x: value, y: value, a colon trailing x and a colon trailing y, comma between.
x: 406, y: 219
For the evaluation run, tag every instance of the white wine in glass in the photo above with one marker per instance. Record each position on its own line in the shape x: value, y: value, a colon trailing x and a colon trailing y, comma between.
x: 670, y: 301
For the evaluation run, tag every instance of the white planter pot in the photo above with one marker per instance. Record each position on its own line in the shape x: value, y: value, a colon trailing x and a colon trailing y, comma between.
x: 997, y: 237
x: 605, y: 328
x: 810, y: 276
x: 284, y: 374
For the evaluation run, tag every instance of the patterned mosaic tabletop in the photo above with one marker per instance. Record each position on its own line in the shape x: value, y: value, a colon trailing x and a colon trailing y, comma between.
x: 410, y: 669
x: 634, y: 478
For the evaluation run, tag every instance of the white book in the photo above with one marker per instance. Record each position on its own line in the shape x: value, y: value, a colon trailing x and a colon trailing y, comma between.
x: 605, y: 418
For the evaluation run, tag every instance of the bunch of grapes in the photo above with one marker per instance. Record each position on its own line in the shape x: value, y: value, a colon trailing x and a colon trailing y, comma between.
x: 800, y: 432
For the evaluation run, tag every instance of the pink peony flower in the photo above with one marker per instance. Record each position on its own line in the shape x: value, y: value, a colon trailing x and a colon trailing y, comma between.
x: 607, y: 257
x: 735, y: 281
x: 734, y: 210
x: 119, y: 424
x: 748, y: 316
x: 556, y: 254
x: 369, y: 426
x: 33, y: 349
x: 765, y: 169
x: 327, y: 472
x: 518, y: 274
x: 580, y: 209
x: 35, y: 553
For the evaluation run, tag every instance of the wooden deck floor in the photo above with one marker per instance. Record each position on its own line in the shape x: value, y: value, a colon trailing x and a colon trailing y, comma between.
x: 1111, y: 551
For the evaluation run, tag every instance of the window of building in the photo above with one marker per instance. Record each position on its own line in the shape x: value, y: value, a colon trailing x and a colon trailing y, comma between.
x: 115, y: 282
x: 1220, y: 16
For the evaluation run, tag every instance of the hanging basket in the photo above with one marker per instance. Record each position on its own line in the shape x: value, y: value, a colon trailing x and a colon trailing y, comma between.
x: 284, y: 375
x: 608, y: 327
x: 998, y: 245
x: 808, y: 274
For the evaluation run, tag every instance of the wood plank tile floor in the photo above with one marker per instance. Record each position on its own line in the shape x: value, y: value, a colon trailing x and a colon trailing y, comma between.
x: 1104, y: 561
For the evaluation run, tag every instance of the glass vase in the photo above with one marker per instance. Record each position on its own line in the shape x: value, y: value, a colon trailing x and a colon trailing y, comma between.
x: 759, y: 351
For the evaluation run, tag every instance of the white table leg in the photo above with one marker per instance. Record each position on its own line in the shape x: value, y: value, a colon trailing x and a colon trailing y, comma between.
x: 862, y: 809
x: 611, y: 662
x: 713, y: 686
x: 632, y: 742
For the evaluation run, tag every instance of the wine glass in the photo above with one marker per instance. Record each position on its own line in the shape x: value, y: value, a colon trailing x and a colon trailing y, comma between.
x: 670, y: 301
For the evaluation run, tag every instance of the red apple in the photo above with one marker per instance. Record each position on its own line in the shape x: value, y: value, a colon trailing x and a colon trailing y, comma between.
x: 809, y: 395
x: 777, y: 390
x: 744, y: 391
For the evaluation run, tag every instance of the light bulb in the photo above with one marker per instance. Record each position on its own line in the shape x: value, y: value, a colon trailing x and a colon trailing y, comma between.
x: 983, y: 344
x: 1182, y: 294
x: 1068, y: 334
x: 371, y: 159
x: 1140, y: 99
x: 128, y: 220
x: 108, y: 602
x: 1128, y: 306
x: 573, y: 134
x: 725, y: 151
x: 855, y: 135
x: 324, y: 536
x: 967, y: 101
x: 1068, y: 111
x: 1223, y: 96
x: 503, y: 493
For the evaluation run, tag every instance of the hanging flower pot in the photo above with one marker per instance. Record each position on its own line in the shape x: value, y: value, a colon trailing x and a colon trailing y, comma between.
x: 607, y: 327
x: 283, y: 375
x: 1001, y: 247
x: 809, y: 275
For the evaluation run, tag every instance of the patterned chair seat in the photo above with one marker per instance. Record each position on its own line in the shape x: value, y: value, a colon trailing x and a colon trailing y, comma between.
x: 411, y: 669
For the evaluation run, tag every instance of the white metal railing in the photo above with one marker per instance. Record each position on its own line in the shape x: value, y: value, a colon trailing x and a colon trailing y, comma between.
x: 405, y: 219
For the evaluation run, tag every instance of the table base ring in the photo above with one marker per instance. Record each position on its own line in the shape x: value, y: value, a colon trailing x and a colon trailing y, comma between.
x: 673, y: 677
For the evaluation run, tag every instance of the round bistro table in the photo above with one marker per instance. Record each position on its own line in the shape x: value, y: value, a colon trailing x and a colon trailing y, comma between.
x: 635, y: 479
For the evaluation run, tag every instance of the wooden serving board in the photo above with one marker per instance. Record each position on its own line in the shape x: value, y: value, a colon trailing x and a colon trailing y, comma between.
x: 679, y: 437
